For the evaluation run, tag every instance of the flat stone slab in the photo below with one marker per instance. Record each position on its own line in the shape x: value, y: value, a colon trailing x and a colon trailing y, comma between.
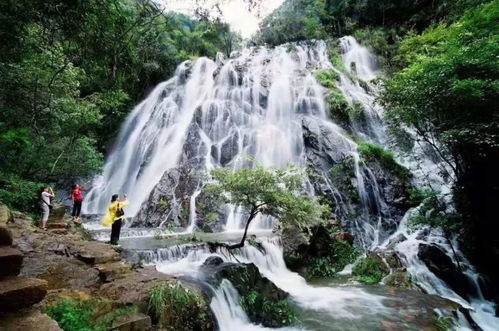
x: 32, y: 320
x: 11, y: 261
x: 96, y: 253
x: 57, y: 225
x: 21, y: 292
x: 111, y: 271
x: 135, y: 322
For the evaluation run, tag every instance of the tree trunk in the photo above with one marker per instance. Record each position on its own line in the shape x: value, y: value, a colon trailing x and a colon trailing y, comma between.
x: 252, y: 215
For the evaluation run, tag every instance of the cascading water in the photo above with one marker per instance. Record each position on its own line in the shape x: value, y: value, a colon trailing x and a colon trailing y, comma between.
x: 264, y: 105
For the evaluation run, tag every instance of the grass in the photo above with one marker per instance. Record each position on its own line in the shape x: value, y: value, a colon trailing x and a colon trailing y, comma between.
x: 369, y: 271
x: 74, y: 315
x: 375, y: 153
x: 176, y: 307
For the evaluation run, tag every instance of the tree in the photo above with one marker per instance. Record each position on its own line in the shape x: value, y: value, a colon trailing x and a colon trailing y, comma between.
x: 275, y: 192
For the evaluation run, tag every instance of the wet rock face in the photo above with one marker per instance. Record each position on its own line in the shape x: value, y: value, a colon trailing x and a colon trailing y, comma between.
x: 442, y: 266
x: 247, y: 280
x: 169, y: 200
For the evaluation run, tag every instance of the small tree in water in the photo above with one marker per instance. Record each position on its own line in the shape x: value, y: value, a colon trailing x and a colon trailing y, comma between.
x: 275, y: 192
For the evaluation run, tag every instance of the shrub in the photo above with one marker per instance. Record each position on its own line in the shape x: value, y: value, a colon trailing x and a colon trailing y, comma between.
x: 176, y: 307
x: 72, y: 316
x: 369, y: 271
x: 337, y: 106
x: 326, y: 77
x: 20, y: 194
x: 83, y: 316
x: 342, y: 254
x: 275, y: 313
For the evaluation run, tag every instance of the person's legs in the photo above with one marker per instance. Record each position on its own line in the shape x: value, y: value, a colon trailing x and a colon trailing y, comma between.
x: 45, y: 216
x: 76, y: 211
x: 115, y: 232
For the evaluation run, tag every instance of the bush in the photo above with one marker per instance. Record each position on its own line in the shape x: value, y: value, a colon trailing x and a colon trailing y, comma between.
x: 327, y: 77
x: 84, y: 316
x: 275, y: 313
x: 341, y: 254
x: 369, y: 271
x: 176, y: 307
x: 19, y: 194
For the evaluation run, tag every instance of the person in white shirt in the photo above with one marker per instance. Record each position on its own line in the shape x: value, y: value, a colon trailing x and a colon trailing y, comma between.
x: 46, y: 194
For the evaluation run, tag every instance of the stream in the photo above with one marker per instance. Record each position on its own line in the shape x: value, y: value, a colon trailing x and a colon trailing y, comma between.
x: 257, y: 106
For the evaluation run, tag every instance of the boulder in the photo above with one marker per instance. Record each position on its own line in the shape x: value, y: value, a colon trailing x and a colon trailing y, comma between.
x: 344, y: 236
x: 400, y: 279
x: 96, y: 253
x: 213, y: 261
x: 32, y: 320
x: 5, y: 234
x: 245, y: 277
x: 11, y: 260
x: 5, y: 215
x: 134, y: 322
x: 57, y: 214
x: 21, y: 292
x: 111, y: 271
x: 442, y: 266
x: 253, y: 288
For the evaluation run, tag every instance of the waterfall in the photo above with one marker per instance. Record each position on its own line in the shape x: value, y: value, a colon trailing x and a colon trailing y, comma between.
x: 264, y: 106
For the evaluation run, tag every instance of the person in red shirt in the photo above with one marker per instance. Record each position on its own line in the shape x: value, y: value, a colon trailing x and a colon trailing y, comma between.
x: 77, y: 197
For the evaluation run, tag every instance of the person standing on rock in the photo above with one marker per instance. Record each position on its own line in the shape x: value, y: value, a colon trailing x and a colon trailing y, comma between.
x: 114, y: 217
x: 77, y: 198
x: 46, y: 194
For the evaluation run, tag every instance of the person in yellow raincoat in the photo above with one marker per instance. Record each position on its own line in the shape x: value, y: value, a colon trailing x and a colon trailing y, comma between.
x: 113, y: 219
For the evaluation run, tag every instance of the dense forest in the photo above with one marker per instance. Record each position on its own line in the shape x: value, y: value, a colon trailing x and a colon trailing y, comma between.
x: 70, y: 71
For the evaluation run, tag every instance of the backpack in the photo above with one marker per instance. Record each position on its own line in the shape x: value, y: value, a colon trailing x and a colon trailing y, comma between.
x: 119, y: 211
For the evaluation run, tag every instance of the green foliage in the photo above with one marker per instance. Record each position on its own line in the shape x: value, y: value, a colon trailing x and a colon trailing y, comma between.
x: 341, y: 254
x: 162, y: 204
x: 84, y: 316
x: 444, y: 323
x: 417, y: 196
x: 451, y: 70
x: 211, y: 217
x: 314, y: 19
x: 177, y: 307
x: 327, y: 77
x: 274, y: 192
x: 71, y: 71
x: 20, y: 194
x: 72, y: 316
x: 435, y: 212
x: 279, y: 312
x: 369, y: 271
x: 375, y: 153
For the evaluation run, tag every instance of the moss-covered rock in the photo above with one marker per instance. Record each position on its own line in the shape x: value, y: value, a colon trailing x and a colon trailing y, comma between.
x: 327, y: 252
x: 370, y: 270
x: 264, y: 302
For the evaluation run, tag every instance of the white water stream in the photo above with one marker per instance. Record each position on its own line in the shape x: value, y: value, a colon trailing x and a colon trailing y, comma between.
x: 256, y: 107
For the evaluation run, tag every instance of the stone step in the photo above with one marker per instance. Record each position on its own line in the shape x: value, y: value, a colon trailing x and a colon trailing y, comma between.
x: 58, y: 231
x: 11, y: 261
x: 58, y: 225
x: 21, y: 292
